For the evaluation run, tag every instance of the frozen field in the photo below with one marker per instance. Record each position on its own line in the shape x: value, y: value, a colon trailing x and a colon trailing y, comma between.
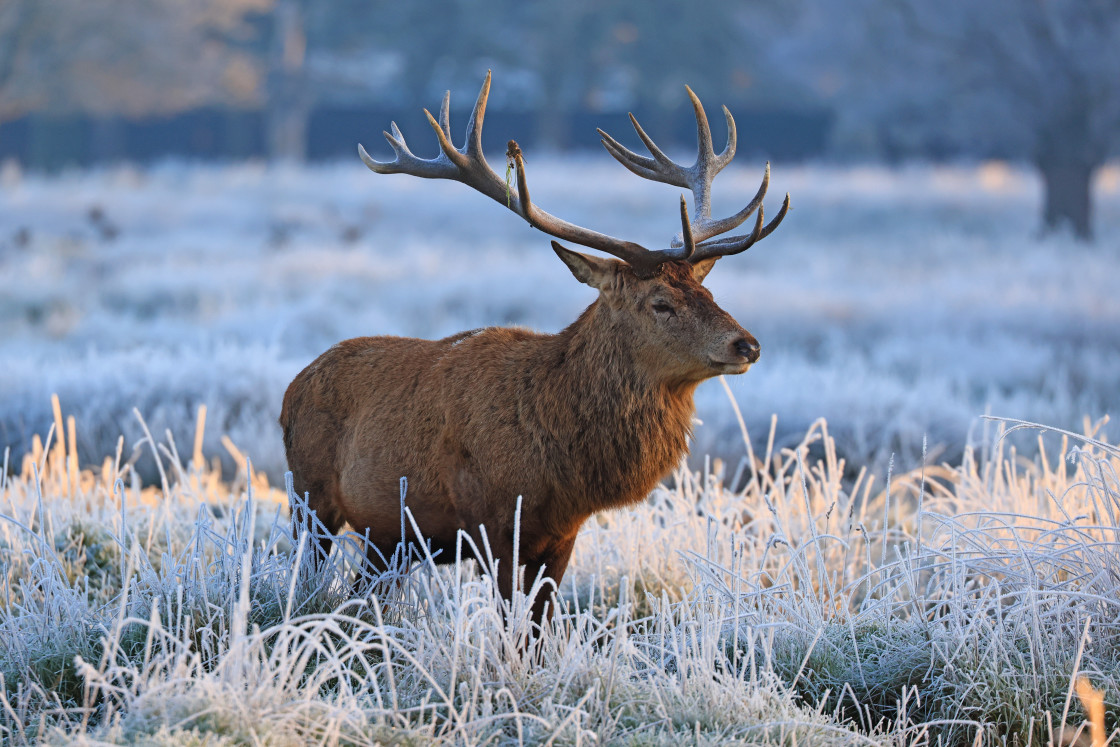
x: 897, y: 304
x: 976, y: 605
x: 801, y: 605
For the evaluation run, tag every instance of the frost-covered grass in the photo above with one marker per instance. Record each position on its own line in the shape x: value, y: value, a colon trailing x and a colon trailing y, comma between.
x: 897, y: 304
x: 788, y: 598
x: 954, y: 606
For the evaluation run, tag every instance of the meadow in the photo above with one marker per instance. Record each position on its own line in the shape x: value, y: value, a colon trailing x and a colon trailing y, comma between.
x: 851, y: 555
x: 898, y: 304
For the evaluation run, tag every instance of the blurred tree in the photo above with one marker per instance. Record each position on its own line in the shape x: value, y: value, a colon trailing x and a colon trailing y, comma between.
x: 289, y: 100
x: 314, y: 51
x: 121, y: 57
x: 1037, y: 80
x: 631, y: 54
x: 558, y: 58
x: 15, y: 18
x: 454, y: 43
x: 116, y: 59
x: 659, y: 46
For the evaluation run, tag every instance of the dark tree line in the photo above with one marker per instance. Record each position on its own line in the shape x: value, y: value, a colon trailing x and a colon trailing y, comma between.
x: 287, y: 56
x: 1033, y: 81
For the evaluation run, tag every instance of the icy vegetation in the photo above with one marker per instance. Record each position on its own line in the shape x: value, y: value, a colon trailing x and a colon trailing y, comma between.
x: 971, y: 605
x: 900, y: 305
x: 777, y: 590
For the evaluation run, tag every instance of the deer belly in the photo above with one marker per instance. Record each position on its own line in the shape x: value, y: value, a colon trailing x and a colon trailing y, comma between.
x: 383, y: 518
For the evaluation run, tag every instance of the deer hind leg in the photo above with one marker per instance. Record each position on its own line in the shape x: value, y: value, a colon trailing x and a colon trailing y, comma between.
x: 322, y: 499
x: 493, y: 546
x: 381, y: 557
x: 549, y: 561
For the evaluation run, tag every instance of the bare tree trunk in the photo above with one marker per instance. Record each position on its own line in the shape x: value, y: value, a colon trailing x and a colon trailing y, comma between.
x: 564, y: 74
x: 287, y: 131
x: 1068, y: 197
x: 289, y: 104
x: 12, y: 38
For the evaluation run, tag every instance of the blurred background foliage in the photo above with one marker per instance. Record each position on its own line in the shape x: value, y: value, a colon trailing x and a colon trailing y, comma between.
x: 88, y: 81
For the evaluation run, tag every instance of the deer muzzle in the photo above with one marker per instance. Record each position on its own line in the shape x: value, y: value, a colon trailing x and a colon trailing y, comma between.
x: 746, y: 347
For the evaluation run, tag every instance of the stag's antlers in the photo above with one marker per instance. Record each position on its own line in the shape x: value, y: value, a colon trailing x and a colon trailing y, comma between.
x: 468, y: 165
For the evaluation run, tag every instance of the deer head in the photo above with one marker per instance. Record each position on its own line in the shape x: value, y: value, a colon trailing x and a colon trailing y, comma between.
x: 670, y: 322
x: 654, y: 297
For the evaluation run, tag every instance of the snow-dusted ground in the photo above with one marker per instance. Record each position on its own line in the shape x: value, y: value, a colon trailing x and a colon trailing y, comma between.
x: 898, y: 304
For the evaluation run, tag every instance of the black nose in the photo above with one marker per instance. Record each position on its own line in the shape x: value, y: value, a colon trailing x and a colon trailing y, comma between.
x: 747, y: 347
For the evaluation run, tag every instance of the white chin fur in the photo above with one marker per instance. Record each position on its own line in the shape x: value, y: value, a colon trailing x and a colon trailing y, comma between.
x: 733, y: 368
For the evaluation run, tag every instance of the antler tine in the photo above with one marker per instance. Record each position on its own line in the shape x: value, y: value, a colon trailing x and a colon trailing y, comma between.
x: 473, y: 144
x: 659, y: 168
x: 698, y: 177
x: 728, y: 151
x: 707, y: 165
x: 449, y: 151
x: 730, y: 245
x: 658, y: 155
x: 445, y: 114
x: 686, y: 231
x: 398, y: 136
x: 640, y: 165
x: 723, y: 225
x: 451, y: 163
x: 468, y: 165
x: 777, y: 219
x: 733, y: 244
x: 407, y: 163
x: 703, y: 131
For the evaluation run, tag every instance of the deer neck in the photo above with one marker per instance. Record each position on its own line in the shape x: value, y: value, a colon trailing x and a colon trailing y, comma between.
x: 601, y: 352
x: 632, y: 426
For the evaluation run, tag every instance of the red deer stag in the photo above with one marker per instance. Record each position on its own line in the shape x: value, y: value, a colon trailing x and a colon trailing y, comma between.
x: 576, y: 422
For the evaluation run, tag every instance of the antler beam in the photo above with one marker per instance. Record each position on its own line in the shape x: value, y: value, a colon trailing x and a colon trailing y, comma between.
x: 468, y: 165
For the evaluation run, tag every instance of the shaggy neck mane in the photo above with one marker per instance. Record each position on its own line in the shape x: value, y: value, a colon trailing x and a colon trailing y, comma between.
x: 627, y: 428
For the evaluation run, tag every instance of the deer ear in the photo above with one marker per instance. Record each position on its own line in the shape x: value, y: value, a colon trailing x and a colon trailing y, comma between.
x: 593, y: 271
x: 701, y: 269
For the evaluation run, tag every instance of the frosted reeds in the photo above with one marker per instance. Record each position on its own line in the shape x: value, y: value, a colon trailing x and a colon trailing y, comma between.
x: 785, y: 601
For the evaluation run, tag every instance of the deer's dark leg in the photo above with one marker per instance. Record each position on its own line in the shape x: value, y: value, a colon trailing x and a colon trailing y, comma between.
x: 322, y: 497
x: 378, y: 559
x: 554, y: 561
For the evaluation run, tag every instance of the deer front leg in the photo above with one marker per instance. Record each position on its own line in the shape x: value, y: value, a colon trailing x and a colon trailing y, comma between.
x: 495, y: 543
x: 550, y: 564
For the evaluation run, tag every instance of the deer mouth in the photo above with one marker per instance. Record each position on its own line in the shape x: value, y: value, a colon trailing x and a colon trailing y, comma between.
x: 730, y: 367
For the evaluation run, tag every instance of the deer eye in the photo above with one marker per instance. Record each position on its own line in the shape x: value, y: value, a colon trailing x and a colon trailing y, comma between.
x: 664, y: 307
